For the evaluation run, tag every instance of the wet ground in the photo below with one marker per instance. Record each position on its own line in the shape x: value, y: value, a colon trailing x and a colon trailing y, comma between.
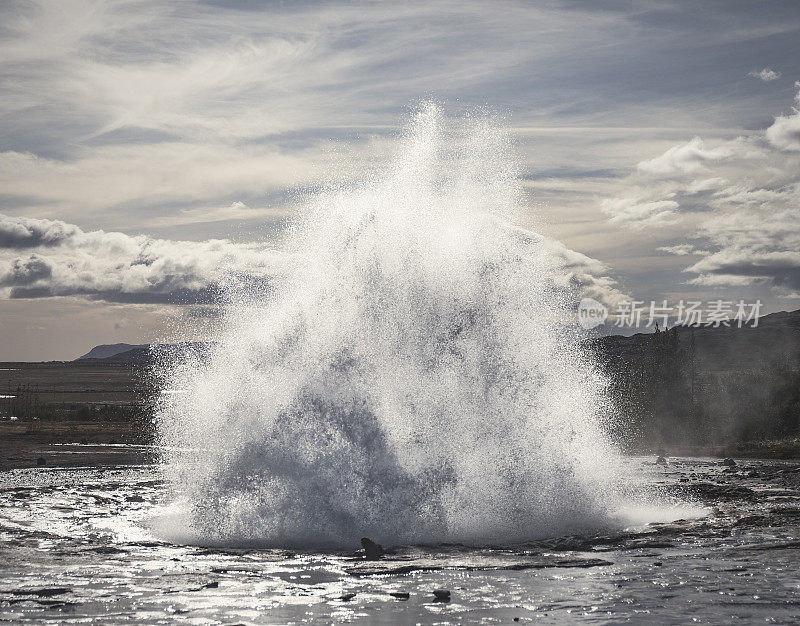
x: 73, y: 549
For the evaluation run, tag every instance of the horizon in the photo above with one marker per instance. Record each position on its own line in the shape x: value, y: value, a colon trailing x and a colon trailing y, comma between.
x: 144, y: 147
x: 604, y: 331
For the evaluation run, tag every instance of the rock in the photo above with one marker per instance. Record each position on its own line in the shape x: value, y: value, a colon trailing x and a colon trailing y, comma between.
x: 728, y: 462
x: 400, y: 595
x: 42, y: 592
x: 41, y: 461
x: 661, y: 460
x: 441, y: 595
x: 346, y: 597
x: 373, y: 550
x: 716, y: 493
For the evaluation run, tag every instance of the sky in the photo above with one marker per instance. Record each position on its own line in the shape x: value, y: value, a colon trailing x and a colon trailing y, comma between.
x: 147, y: 148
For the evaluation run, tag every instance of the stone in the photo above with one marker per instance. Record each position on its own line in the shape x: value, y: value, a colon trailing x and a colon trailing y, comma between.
x: 441, y: 595
x: 373, y: 550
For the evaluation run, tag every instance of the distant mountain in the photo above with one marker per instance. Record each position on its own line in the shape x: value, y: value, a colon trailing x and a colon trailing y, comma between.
x: 777, y: 337
x: 142, y: 354
x: 720, y: 349
x: 106, y: 351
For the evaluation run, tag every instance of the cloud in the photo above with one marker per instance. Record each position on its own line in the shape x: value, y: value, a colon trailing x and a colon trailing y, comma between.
x: 739, y: 198
x: 127, y: 112
x: 747, y: 266
x: 118, y: 268
x: 707, y: 184
x: 687, y: 159
x: 167, y: 174
x: 680, y: 249
x: 124, y: 113
x: 26, y: 272
x: 33, y: 233
x: 766, y: 74
x: 784, y: 133
x: 640, y: 213
x: 64, y: 260
x: 588, y: 277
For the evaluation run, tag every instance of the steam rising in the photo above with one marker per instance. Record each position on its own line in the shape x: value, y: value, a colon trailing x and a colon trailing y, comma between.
x: 410, y: 380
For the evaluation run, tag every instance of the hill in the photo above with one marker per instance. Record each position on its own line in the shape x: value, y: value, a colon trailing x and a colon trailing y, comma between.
x: 142, y: 354
x: 719, y: 349
x: 704, y: 386
x: 106, y: 351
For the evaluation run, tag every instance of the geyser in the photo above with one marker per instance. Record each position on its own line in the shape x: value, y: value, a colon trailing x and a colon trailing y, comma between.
x: 410, y: 378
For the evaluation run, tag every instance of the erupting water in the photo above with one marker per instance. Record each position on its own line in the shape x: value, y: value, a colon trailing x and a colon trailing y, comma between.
x: 410, y: 378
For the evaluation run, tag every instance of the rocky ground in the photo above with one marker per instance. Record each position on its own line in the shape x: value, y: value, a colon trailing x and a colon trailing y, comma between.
x: 71, y: 444
x: 720, y: 545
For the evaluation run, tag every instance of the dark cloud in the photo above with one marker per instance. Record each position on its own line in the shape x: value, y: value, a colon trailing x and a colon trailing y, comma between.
x: 206, y: 295
x: 26, y: 272
x: 20, y: 232
x: 780, y: 274
x: 778, y: 269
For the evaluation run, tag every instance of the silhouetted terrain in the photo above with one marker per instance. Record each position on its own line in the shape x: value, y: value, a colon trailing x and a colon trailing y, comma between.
x: 109, y: 350
x: 140, y: 355
x: 731, y: 390
x: 705, y: 387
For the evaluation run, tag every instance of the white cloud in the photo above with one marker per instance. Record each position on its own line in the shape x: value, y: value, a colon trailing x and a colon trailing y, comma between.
x: 46, y: 258
x: 42, y: 258
x: 784, y: 133
x: 147, y: 104
x: 707, y: 184
x: 682, y: 249
x: 747, y: 266
x: 163, y: 172
x: 765, y: 74
x: 146, y: 116
x: 587, y: 276
x: 744, y: 208
x: 639, y: 213
x: 687, y: 159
